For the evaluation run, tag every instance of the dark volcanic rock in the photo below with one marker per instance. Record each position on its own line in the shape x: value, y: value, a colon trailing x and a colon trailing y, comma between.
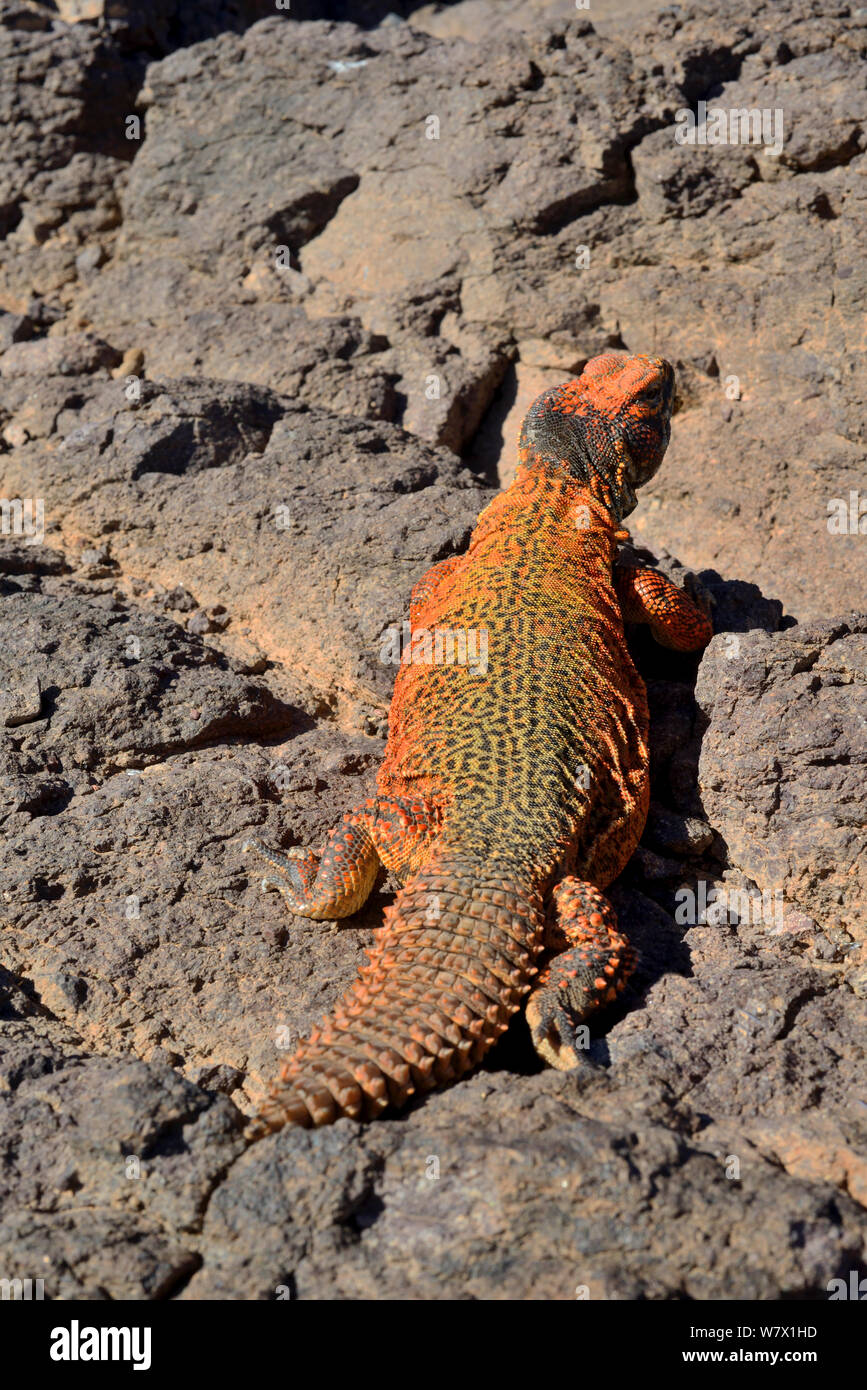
x: 160, y: 25
x: 117, y: 1157
x: 257, y: 504
x: 784, y: 762
x: 485, y: 1197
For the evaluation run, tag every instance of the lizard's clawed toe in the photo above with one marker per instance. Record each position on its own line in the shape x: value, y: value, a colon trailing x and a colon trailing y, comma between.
x: 560, y: 1040
x: 287, y: 875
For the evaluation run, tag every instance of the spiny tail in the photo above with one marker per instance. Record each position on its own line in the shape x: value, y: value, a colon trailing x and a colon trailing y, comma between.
x: 447, y: 971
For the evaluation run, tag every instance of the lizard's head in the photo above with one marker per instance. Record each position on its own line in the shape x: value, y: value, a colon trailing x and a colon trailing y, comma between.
x: 609, y: 427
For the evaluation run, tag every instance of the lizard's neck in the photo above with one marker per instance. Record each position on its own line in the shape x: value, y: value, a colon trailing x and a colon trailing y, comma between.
x: 554, y: 510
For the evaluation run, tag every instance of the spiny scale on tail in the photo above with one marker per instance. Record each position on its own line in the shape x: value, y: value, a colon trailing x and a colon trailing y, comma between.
x: 448, y: 970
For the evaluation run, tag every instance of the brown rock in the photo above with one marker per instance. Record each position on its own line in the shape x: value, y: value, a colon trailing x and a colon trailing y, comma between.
x: 783, y: 762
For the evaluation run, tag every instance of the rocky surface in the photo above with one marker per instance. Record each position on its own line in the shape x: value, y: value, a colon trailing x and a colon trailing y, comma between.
x: 263, y: 351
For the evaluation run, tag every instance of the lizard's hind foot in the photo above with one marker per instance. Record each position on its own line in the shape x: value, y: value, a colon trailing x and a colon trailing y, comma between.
x: 294, y: 872
x: 589, y: 963
x: 331, y: 885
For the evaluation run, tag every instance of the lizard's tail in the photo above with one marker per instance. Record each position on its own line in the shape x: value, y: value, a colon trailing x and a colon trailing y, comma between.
x: 448, y: 969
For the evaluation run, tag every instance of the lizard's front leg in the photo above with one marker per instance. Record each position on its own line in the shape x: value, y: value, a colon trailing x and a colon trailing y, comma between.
x: 589, y: 961
x: 675, y: 619
x: 332, y: 885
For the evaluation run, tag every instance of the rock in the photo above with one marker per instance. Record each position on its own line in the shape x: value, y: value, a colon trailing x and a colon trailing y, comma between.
x: 21, y: 702
x: 76, y: 355
x: 411, y: 1206
x: 63, y: 112
x: 122, y: 686
x: 677, y: 834
x: 117, y: 1156
x: 19, y: 557
x: 179, y: 600
x: 131, y: 364
x: 89, y: 260
x: 164, y: 24
x: 292, y: 488
x: 783, y: 761
x: 14, y: 328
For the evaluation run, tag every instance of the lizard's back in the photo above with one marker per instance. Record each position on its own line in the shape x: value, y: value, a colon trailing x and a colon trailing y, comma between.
x: 536, y: 732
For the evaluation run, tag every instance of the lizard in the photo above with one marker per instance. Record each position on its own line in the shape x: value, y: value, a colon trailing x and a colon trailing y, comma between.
x: 513, y: 790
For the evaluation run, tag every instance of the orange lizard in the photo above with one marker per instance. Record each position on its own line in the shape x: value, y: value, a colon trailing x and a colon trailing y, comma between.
x: 515, y: 788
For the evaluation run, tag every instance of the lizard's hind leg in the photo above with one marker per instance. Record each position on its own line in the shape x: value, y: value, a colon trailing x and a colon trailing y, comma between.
x: 329, y: 886
x: 588, y: 963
